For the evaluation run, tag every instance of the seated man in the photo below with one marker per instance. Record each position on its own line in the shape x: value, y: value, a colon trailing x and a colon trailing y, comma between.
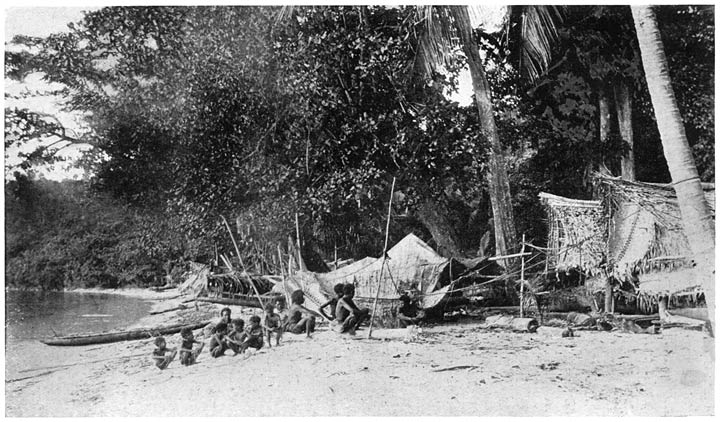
x: 347, y: 314
x: 300, y: 319
x: 409, y: 313
x: 332, y: 303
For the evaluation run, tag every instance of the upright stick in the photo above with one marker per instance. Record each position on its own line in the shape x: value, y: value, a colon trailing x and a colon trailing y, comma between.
x: 301, y: 263
x: 382, y: 267
x: 237, y: 250
x: 522, y: 277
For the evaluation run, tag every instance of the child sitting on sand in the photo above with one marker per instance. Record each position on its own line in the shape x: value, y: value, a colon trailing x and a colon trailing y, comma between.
x: 253, y: 335
x: 162, y: 354
x: 218, y: 343
x: 273, y: 324
x: 235, y: 338
x: 188, y: 356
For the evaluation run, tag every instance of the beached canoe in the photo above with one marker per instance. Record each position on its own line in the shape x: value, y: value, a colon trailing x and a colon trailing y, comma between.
x: 115, y: 336
x: 242, y: 300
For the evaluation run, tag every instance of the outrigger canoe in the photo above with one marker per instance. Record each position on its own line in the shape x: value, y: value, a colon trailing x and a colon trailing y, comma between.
x: 115, y: 336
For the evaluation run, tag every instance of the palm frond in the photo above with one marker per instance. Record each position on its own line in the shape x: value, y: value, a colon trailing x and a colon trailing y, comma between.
x: 538, y: 33
x: 437, y: 38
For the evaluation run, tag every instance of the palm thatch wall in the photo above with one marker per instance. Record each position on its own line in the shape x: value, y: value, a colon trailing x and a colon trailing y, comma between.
x: 646, y: 242
x: 632, y: 233
x: 576, y: 238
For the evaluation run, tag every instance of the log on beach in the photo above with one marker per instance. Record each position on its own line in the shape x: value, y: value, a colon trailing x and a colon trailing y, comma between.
x: 511, y: 323
x: 116, y: 336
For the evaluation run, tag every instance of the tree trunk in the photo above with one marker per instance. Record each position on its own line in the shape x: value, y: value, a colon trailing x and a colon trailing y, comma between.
x: 604, y: 126
x: 604, y: 111
x: 623, y: 106
x: 697, y: 220
x: 505, y: 236
x: 433, y: 216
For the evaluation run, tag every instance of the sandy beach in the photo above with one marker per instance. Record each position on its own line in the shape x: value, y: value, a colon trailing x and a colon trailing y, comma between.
x: 460, y: 369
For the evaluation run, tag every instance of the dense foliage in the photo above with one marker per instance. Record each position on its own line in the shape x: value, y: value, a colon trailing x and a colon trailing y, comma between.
x: 59, y: 235
x: 202, y: 112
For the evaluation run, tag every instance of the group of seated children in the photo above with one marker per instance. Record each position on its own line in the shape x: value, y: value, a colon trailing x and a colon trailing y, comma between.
x: 344, y: 314
x: 238, y: 339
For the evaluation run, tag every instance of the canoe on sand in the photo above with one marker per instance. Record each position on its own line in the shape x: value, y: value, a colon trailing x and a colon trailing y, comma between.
x: 115, y: 336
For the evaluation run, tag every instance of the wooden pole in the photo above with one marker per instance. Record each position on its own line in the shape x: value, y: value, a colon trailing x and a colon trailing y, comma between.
x: 382, y: 267
x: 522, y: 277
x: 335, y: 256
x: 301, y: 263
x: 229, y: 264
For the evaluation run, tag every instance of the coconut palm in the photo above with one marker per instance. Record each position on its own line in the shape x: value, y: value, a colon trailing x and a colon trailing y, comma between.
x: 697, y: 219
x: 450, y: 26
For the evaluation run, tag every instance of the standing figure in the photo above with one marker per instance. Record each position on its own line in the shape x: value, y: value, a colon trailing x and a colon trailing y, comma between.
x: 273, y: 324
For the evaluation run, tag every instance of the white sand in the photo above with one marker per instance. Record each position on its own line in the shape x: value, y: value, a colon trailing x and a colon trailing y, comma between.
x: 505, y: 374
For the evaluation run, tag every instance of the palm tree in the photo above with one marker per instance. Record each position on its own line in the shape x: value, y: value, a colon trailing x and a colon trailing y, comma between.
x: 697, y: 219
x: 447, y: 23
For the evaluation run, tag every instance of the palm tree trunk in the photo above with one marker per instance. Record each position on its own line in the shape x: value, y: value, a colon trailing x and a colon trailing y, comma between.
x: 505, y: 236
x: 697, y: 220
x: 604, y: 126
x: 623, y: 106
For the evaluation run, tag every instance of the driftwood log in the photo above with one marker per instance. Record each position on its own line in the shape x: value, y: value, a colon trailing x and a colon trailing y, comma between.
x: 529, y: 325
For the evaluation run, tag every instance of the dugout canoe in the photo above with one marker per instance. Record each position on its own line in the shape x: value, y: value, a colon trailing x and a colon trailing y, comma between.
x: 115, y: 336
x: 241, y: 300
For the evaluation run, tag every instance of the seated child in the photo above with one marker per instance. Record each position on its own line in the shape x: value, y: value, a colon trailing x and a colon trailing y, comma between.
x: 253, y: 335
x: 273, y: 324
x: 162, y: 354
x: 236, y: 336
x: 348, y: 315
x: 225, y: 315
x: 218, y: 343
x: 300, y: 319
x: 187, y: 354
x: 332, y: 303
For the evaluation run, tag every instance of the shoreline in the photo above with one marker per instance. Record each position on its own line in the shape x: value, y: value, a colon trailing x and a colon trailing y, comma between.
x: 138, y: 292
x: 477, y: 371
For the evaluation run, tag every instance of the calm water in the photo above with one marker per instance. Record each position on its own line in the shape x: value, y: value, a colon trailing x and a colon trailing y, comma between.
x: 30, y: 316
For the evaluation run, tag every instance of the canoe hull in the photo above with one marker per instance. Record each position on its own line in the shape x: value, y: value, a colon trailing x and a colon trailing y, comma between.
x: 241, y: 300
x: 84, y: 340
